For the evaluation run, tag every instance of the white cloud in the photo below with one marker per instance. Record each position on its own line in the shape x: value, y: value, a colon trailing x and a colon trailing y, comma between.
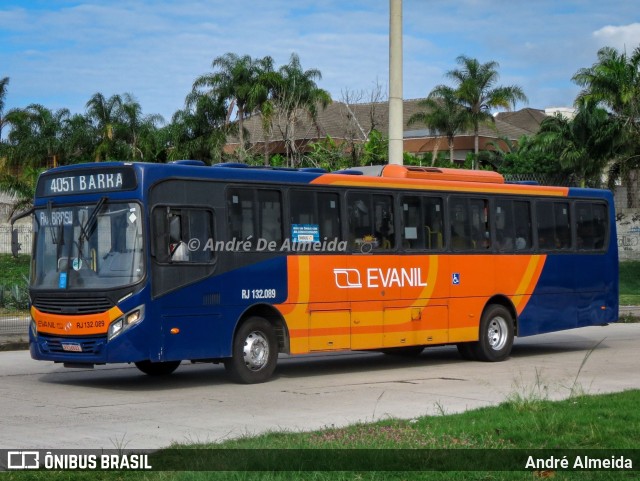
x: 623, y: 37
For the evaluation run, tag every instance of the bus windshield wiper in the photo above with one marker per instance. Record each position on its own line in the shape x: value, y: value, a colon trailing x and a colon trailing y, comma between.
x: 54, y: 235
x: 86, y: 229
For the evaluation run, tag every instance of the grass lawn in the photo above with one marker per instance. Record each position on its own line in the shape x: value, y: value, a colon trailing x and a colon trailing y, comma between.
x: 491, y: 438
x: 630, y: 283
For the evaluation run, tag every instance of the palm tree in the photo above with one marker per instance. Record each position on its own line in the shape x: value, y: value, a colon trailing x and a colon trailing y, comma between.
x: 3, y: 93
x: 444, y: 114
x: 614, y: 83
x: 583, y: 144
x: 477, y: 91
x: 104, y: 113
x: 21, y: 187
x: 79, y: 139
x: 240, y: 82
x: 136, y: 127
x: 198, y: 131
x: 296, y: 93
x: 36, y: 135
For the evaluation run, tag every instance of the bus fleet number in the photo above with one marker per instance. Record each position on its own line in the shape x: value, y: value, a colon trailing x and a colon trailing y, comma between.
x: 258, y: 293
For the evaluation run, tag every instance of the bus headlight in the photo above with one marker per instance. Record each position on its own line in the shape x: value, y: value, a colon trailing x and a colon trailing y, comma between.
x: 34, y: 329
x: 125, y: 322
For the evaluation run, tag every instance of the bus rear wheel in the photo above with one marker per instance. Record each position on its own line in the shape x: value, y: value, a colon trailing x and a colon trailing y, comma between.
x: 255, y: 352
x: 496, y: 335
x: 157, y: 368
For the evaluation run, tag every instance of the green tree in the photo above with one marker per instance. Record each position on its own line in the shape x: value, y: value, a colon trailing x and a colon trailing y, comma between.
x: 79, y: 139
x: 296, y: 93
x: 326, y: 154
x: 583, y: 144
x: 239, y: 80
x: 613, y: 82
x: 104, y: 114
x: 444, y: 114
x: 375, y: 150
x: 21, y: 187
x: 198, y: 131
x: 525, y: 157
x: 478, y: 93
x: 137, y: 130
x: 35, y: 138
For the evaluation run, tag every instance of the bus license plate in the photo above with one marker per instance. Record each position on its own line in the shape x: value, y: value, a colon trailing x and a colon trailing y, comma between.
x: 72, y: 347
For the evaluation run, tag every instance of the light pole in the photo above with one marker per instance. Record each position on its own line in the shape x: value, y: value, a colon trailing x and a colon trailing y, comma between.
x: 396, y: 122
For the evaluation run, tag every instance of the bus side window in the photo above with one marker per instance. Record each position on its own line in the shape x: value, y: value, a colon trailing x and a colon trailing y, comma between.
x: 458, y: 214
x: 371, y: 223
x: 329, y: 215
x: 513, y: 225
x: 522, y: 223
x: 270, y: 215
x: 433, y: 222
x: 178, y: 251
x: 412, y: 235
x: 505, y: 235
x: 469, y: 221
x: 384, y: 227
x: 423, y: 222
x: 590, y: 225
x: 554, y: 228
x: 241, y: 214
x: 183, y: 235
x: 563, y: 225
x: 360, y: 225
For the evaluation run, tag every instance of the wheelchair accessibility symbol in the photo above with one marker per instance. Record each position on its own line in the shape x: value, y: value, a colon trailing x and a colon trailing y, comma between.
x: 455, y: 278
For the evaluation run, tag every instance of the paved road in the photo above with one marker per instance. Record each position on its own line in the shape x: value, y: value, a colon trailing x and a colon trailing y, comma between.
x: 46, y: 406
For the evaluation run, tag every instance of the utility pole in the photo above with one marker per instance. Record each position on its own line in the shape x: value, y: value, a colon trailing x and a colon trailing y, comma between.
x: 396, y: 122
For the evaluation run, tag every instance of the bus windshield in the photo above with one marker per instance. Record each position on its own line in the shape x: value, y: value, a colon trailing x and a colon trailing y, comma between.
x: 87, y: 246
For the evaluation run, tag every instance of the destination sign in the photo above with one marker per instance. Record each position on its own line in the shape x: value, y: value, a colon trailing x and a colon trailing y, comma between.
x: 108, y: 179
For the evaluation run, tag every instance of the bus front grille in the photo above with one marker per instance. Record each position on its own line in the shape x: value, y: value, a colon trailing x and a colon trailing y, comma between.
x: 72, y: 306
x: 82, y: 346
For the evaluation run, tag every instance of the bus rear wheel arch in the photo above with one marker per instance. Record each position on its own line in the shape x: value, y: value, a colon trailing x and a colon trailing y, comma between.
x: 255, y: 352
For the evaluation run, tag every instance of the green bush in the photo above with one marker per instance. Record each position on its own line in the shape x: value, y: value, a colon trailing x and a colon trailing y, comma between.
x: 15, y: 296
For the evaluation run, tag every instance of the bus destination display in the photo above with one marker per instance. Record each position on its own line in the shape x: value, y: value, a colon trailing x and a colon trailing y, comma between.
x: 95, y: 180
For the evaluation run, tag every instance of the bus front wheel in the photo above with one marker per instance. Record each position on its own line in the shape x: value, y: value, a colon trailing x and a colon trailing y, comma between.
x: 496, y: 335
x: 157, y: 368
x: 255, y: 352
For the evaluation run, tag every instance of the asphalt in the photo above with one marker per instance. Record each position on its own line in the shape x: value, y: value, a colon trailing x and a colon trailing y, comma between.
x: 46, y: 406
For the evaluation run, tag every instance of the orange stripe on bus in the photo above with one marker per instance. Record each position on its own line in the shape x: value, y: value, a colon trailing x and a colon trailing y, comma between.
x: 367, y: 181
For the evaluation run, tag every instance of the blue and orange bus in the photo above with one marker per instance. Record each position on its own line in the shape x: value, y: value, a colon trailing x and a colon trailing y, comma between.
x: 156, y: 264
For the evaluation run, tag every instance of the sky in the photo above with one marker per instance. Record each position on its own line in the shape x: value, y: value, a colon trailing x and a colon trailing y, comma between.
x: 58, y: 53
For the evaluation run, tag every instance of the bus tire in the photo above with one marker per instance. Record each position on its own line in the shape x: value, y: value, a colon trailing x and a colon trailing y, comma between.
x: 157, y: 368
x: 496, y: 335
x: 255, y: 352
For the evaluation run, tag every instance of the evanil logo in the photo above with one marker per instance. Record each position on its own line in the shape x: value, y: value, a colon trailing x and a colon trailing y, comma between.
x: 379, y: 277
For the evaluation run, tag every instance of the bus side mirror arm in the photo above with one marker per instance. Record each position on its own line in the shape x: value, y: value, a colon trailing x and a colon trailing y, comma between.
x: 15, y: 245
